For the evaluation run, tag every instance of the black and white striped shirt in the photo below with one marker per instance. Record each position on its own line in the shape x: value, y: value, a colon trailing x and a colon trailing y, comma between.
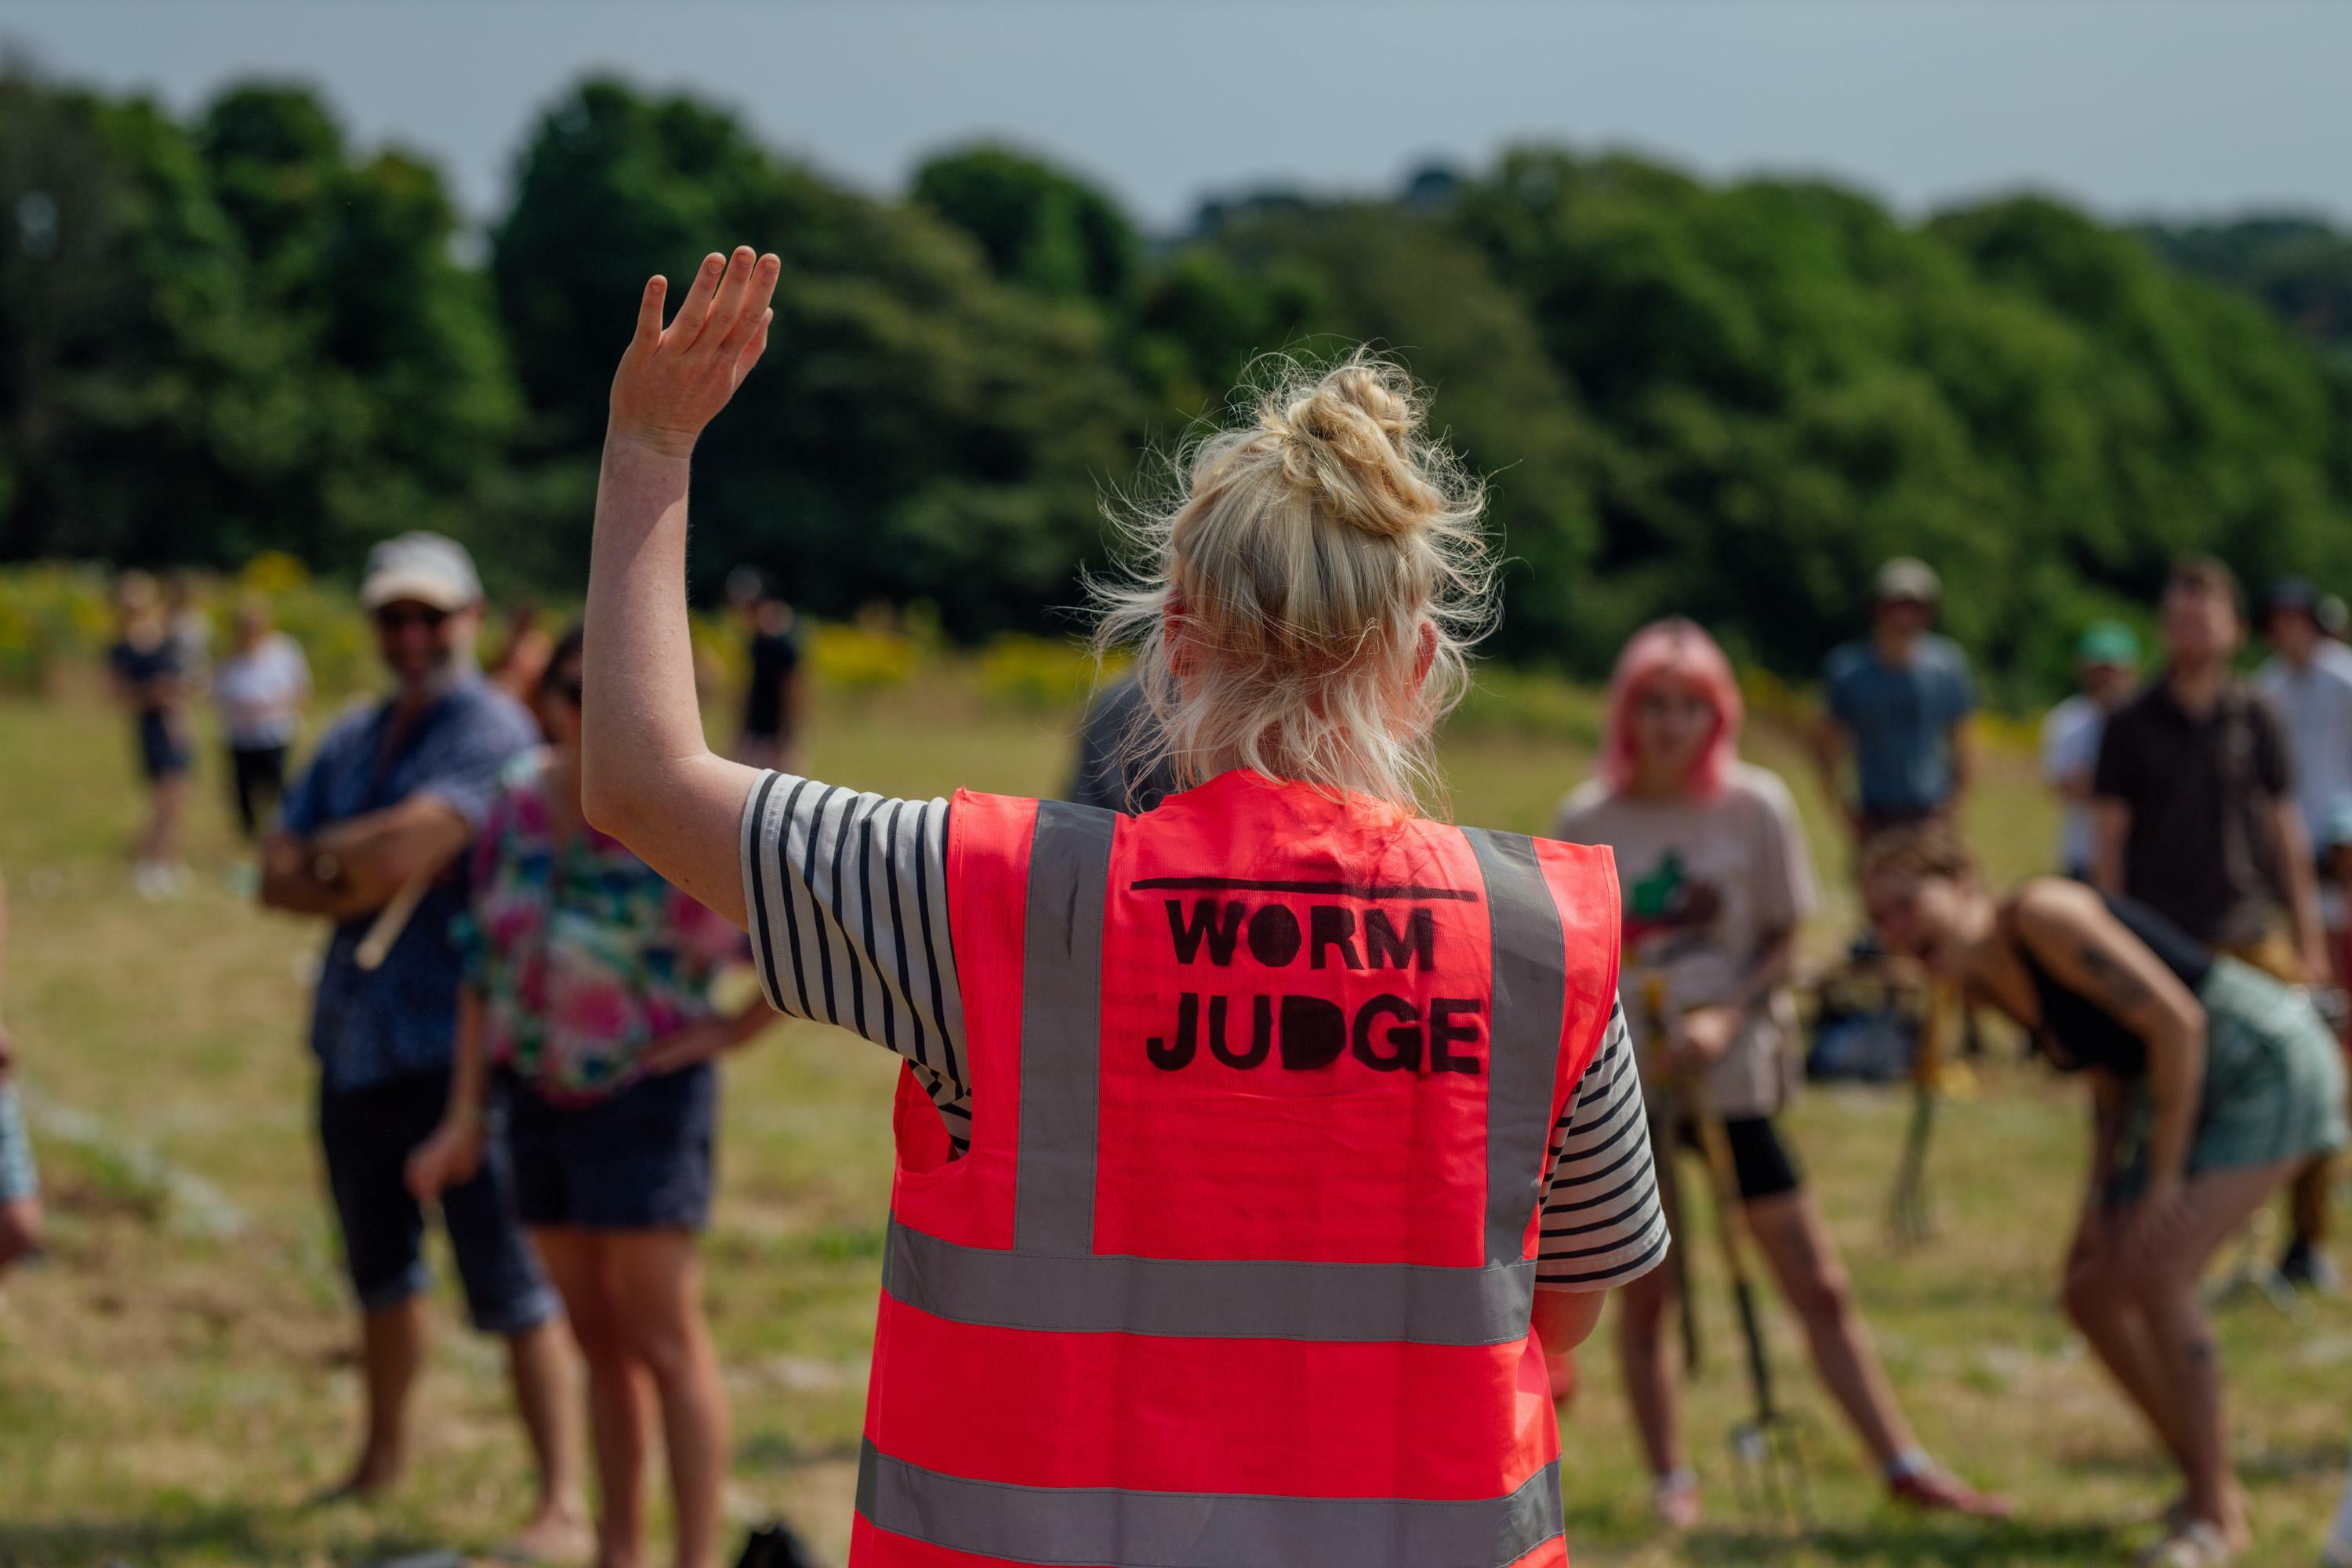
x: 847, y: 898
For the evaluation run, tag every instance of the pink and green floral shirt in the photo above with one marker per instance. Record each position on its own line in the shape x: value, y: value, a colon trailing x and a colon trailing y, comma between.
x: 583, y: 954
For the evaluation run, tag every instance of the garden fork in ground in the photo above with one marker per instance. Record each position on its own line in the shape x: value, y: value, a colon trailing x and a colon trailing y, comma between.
x: 1910, y: 1208
x: 1770, y: 1456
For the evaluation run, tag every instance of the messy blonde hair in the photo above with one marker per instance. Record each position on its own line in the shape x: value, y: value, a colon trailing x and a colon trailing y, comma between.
x: 1306, y: 548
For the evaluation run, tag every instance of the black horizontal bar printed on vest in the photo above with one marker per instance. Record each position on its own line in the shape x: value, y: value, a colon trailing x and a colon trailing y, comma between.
x: 1203, y: 1530
x: 1526, y: 1014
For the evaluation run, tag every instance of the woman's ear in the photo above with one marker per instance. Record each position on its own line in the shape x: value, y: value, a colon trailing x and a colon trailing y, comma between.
x: 1424, y: 656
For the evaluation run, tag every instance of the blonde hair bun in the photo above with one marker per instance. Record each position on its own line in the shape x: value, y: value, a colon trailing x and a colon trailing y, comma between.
x: 1353, y: 438
x: 1305, y: 602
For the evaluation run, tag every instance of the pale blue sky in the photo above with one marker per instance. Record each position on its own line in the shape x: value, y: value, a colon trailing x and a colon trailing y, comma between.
x: 2133, y: 106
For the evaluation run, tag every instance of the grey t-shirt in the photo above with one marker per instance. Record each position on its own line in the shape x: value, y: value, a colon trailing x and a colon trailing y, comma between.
x: 1706, y: 882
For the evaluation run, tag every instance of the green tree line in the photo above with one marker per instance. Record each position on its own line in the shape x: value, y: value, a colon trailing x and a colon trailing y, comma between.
x: 235, y: 331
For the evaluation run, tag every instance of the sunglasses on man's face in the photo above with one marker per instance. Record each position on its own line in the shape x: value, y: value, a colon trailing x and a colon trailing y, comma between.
x: 399, y: 617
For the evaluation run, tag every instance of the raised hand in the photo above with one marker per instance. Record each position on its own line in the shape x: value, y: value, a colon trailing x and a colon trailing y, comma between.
x: 674, y: 381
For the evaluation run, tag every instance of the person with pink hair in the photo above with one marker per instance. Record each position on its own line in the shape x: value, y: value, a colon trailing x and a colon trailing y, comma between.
x: 1715, y: 881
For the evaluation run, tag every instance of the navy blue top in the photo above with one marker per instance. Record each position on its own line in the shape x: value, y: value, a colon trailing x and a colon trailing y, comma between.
x: 137, y: 667
x: 402, y: 1019
x: 2077, y: 1032
x: 1900, y: 719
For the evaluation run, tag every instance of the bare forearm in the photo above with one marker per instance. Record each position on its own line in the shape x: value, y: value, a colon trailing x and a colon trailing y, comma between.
x: 647, y: 774
x: 2113, y: 825
x: 2302, y: 889
x: 641, y: 717
x: 1775, y: 962
x: 290, y: 884
x: 748, y: 1024
x: 469, y: 1070
x: 2106, y: 1131
x: 2176, y: 1080
x: 351, y: 869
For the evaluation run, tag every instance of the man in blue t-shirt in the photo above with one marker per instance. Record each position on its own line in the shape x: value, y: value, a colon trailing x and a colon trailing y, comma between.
x: 396, y: 791
x: 1899, y: 702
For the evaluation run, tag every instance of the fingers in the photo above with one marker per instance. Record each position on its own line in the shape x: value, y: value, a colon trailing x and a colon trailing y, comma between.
x: 695, y: 308
x: 759, y: 287
x: 754, y: 345
x: 728, y: 308
x: 649, y: 311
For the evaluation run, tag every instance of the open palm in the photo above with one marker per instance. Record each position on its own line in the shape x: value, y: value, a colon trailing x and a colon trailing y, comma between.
x: 673, y: 380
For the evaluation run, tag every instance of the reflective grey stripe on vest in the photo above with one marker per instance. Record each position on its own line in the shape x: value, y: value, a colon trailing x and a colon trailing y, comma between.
x: 1198, y: 1529
x: 1061, y: 1028
x: 1529, y: 1009
x: 1365, y: 1302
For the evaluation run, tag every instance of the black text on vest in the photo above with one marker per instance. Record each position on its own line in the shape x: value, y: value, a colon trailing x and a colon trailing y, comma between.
x: 1387, y: 1033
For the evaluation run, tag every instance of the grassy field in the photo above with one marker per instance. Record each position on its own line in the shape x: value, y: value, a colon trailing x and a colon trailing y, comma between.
x: 178, y: 1377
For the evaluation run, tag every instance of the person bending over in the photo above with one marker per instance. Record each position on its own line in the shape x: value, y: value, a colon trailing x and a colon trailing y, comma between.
x: 1250, y: 1150
x: 2211, y: 1084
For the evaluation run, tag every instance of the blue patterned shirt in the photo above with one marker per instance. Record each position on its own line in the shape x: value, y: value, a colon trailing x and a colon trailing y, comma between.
x: 402, y: 1019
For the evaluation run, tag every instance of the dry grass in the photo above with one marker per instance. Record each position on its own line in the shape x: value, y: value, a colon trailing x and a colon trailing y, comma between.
x: 176, y: 1378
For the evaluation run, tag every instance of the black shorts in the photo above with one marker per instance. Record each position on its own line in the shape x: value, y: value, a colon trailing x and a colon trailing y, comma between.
x: 638, y: 1160
x: 257, y: 780
x: 163, y: 754
x: 367, y: 1134
x: 1760, y: 1163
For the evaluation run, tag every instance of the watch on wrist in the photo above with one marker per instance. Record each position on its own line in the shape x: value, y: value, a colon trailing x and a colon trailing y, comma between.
x: 326, y: 868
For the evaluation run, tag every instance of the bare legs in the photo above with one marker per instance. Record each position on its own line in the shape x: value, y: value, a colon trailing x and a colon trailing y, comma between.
x: 20, y: 1230
x: 392, y: 1353
x: 1789, y: 1230
x: 155, y: 855
x: 634, y: 1298
x: 547, y: 1397
x: 2148, y: 1325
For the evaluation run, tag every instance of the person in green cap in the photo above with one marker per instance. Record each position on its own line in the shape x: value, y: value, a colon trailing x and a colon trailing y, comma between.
x: 2106, y: 665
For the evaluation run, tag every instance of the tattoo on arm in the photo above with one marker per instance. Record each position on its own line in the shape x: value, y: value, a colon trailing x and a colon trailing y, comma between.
x: 2120, y: 986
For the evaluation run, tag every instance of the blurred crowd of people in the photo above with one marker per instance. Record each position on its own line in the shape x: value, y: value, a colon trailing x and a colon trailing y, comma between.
x: 517, y: 1021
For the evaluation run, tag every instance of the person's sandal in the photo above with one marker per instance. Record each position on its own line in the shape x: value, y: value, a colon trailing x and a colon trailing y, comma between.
x: 1673, y: 1498
x: 2196, y: 1545
x: 1936, y: 1490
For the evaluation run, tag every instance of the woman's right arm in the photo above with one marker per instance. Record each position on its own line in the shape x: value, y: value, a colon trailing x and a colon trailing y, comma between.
x: 454, y: 1152
x: 648, y: 776
x: 2089, y: 952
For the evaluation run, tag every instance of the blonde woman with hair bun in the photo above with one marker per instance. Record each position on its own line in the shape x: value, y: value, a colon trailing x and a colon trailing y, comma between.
x: 1251, y: 1151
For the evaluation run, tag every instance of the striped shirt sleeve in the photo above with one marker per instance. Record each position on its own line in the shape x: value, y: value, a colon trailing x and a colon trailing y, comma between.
x: 1602, y: 1225
x: 848, y: 908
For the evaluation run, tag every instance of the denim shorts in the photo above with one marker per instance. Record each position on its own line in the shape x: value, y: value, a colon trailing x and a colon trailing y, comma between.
x: 367, y: 1134
x: 637, y: 1160
x: 163, y: 753
x: 17, y: 1178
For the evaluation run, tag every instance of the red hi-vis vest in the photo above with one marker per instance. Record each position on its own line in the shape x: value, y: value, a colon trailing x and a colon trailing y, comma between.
x: 1238, y: 1270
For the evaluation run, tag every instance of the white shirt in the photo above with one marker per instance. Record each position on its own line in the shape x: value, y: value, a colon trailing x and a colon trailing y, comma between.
x: 262, y: 693
x: 2070, y: 749
x: 2315, y: 705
